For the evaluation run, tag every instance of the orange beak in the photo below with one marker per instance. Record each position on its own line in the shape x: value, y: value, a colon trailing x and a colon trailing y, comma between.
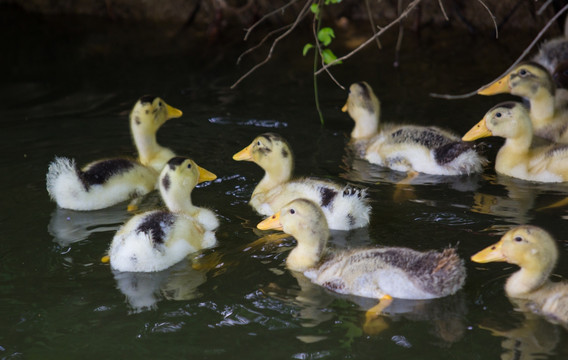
x: 490, y: 254
x: 272, y: 222
x: 244, y: 154
x: 480, y: 130
x: 205, y: 175
x: 498, y: 87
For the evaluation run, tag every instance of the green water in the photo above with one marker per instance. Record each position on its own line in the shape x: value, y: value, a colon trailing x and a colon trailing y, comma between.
x: 68, y: 93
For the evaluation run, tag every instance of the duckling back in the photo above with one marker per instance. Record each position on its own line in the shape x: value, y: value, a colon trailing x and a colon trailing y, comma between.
x: 156, y: 240
x: 398, y: 272
x: 427, y: 150
x: 345, y: 207
x: 99, y: 184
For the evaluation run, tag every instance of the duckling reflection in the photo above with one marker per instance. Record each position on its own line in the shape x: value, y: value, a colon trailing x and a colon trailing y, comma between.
x: 515, y: 206
x: 532, y: 340
x: 357, y: 170
x: 144, y: 290
x: 70, y: 226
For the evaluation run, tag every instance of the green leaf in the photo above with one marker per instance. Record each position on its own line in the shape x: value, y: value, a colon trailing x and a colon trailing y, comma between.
x: 307, y: 48
x: 329, y: 56
x: 325, y: 35
x: 327, y: 2
x: 315, y: 8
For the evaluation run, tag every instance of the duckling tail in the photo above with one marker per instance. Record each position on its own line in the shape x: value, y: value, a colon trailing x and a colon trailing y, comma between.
x: 63, y: 176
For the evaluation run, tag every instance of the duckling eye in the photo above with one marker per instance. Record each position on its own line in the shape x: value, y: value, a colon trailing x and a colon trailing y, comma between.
x: 159, y: 103
x: 292, y: 211
x: 258, y: 143
x: 518, y: 239
x: 189, y: 166
x: 523, y: 72
x: 498, y: 115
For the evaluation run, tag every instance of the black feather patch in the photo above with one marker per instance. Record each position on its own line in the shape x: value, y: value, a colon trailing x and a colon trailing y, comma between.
x: 166, y: 182
x: 327, y: 196
x: 100, y: 172
x: 176, y: 161
x: 428, y: 137
x: 154, y: 225
x: 447, y: 153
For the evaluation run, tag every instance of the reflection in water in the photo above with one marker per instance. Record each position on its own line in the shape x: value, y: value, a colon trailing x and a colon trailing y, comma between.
x: 515, y: 206
x: 362, y: 171
x: 536, y: 338
x: 144, y: 290
x: 69, y: 226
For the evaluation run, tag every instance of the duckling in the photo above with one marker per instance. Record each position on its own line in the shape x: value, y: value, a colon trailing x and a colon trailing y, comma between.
x: 156, y: 240
x: 345, y: 207
x: 552, y: 53
x: 107, y: 182
x: 517, y: 158
x: 406, y: 148
x: 379, y: 273
x: 534, y: 250
x: 548, y: 107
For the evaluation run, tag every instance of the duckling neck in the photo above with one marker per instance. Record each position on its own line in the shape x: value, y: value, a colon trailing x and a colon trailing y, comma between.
x: 525, y: 281
x: 542, y: 107
x: 147, y: 146
x: 366, y: 126
x: 274, y: 176
x: 308, y: 253
x: 180, y: 204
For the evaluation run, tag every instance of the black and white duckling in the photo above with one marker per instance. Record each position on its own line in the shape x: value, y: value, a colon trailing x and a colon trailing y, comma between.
x: 345, y: 207
x: 380, y: 273
x: 517, y: 158
x: 548, y: 105
x: 552, y: 54
x: 107, y: 182
x: 156, y: 240
x: 534, y: 250
x: 407, y: 148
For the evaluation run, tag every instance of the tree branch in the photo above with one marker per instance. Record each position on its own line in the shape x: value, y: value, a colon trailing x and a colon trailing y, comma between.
x: 408, y: 9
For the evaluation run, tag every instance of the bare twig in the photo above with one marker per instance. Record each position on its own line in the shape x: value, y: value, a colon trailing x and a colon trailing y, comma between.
x: 543, y: 7
x: 492, y: 18
x: 400, y: 35
x: 443, y: 10
x: 408, y: 9
x: 519, y: 59
x: 300, y: 17
x: 373, y: 27
x: 266, y: 16
x: 248, y: 51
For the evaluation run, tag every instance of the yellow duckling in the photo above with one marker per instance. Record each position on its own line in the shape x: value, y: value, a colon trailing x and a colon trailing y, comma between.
x: 344, y: 206
x: 534, y: 251
x: 381, y: 272
x: 516, y: 158
x: 107, y: 182
x: 428, y: 150
x: 548, y: 107
x: 156, y: 240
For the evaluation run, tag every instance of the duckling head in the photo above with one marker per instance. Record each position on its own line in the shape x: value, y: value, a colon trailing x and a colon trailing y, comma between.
x: 508, y: 120
x: 526, y: 80
x: 178, y: 178
x: 306, y: 222
x: 272, y: 153
x: 531, y: 248
x: 364, y: 108
x: 149, y: 113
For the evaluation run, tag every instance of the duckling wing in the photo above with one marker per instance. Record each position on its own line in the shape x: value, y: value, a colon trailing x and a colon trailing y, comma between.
x: 398, y: 272
x: 100, y: 184
x: 428, y: 150
x: 552, y: 160
x: 345, y: 206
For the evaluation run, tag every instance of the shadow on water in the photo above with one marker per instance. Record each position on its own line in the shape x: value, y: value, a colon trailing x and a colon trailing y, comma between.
x: 72, y: 98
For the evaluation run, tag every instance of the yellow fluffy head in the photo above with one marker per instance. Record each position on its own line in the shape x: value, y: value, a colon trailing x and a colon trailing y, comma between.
x: 150, y: 113
x: 270, y: 151
x: 525, y: 80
